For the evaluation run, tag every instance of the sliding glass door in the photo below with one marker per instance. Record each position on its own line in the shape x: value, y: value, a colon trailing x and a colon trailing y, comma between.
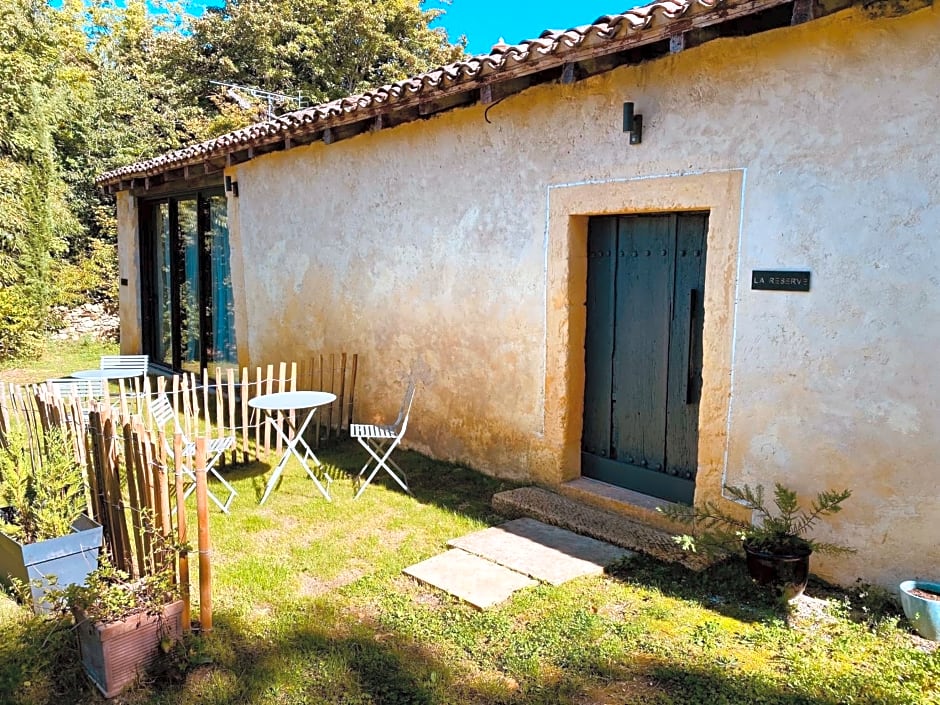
x: 189, y: 315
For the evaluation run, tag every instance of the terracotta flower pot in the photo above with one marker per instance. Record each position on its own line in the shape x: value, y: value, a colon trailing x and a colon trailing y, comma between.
x: 115, y: 654
x: 787, y: 573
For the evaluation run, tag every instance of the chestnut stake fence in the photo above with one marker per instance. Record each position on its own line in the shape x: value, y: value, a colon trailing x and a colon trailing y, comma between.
x: 134, y: 489
x: 211, y: 403
x: 140, y: 504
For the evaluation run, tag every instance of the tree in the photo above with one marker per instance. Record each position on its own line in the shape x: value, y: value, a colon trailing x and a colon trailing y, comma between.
x: 34, y: 213
x: 318, y: 49
x: 93, y: 86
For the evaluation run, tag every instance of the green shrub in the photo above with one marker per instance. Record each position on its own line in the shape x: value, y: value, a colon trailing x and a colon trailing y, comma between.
x: 22, y: 322
x: 41, y: 487
x: 93, y: 276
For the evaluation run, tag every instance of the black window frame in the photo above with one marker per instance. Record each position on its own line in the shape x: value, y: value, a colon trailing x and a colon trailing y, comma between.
x: 148, y: 249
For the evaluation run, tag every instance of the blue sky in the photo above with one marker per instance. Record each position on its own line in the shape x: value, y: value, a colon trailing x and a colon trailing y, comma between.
x: 485, y: 21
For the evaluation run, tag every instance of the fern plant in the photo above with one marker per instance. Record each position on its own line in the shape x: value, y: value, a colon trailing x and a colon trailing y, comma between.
x: 782, y: 529
x: 42, y: 490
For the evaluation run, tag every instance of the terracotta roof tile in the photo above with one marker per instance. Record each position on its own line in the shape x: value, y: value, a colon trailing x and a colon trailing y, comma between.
x: 503, y: 58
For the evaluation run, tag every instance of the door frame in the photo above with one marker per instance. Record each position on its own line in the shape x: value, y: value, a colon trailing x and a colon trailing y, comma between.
x: 570, y: 206
x: 147, y: 242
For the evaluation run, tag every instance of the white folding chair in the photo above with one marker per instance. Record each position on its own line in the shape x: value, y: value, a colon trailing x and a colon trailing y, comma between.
x: 379, y: 442
x: 162, y: 412
x: 125, y: 362
x: 84, y: 390
x: 72, y: 387
x: 131, y: 363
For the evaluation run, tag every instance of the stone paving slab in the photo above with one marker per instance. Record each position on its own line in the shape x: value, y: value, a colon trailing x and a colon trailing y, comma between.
x: 480, y: 582
x: 547, y: 553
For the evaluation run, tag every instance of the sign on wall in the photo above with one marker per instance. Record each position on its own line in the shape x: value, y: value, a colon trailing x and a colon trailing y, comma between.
x: 776, y: 280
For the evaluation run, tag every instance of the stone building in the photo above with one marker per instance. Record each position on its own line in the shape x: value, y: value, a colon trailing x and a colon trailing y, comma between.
x: 744, y: 291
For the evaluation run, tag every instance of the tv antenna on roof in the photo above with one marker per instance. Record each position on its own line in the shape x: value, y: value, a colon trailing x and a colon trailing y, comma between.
x: 237, y: 93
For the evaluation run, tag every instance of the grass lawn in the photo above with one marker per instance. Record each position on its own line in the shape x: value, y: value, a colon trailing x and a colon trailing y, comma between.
x: 311, y: 607
x: 58, y: 359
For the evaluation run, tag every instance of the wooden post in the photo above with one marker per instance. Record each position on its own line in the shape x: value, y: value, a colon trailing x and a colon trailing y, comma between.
x: 100, y: 464
x: 329, y: 407
x: 200, y: 429
x: 136, y: 465
x: 134, y: 497
x: 245, y: 389
x: 341, y: 396
x: 182, y: 533
x: 162, y: 485
x: 352, y: 388
x: 281, y: 387
x: 269, y: 388
x: 319, y: 416
x: 259, y: 415
x: 205, y: 549
x: 91, y: 469
x: 232, y: 423
x: 123, y: 397
x: 292, y: 386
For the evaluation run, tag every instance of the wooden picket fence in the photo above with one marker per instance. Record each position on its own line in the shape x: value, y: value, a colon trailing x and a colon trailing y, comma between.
x: 130, y: 484
x: 213, y: 403
x: 137, y: 495
x: 216, y: 401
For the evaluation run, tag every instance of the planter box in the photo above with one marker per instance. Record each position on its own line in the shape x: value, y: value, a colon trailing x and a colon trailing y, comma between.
x: 115, y: 654
x: 69, y: 558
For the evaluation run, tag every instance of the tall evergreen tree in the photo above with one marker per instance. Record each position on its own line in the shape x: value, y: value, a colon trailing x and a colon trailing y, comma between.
x: 35, y: 218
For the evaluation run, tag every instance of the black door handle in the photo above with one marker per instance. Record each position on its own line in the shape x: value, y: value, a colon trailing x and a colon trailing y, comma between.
x: 691, y: 382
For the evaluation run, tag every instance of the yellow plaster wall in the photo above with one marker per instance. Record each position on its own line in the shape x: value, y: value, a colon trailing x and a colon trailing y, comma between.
x: 129, y: 269
x: 452, y: 247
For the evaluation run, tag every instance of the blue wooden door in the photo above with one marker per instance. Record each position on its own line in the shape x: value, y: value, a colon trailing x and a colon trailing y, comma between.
x: 643, y: 352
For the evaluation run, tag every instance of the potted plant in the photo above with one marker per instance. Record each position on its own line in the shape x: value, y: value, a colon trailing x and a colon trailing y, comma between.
x: 45, y: 538
x: 776, y: 543
x: 921, y: 602
x: 123, y: 624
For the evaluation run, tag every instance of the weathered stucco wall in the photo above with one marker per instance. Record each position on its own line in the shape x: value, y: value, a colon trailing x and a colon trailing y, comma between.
x: 451, y: 247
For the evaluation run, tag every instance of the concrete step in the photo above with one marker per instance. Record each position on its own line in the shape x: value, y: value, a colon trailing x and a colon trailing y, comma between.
x: 595, y: 522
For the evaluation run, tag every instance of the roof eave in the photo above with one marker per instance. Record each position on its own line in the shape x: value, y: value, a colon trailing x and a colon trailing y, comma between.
x: 482, y: 79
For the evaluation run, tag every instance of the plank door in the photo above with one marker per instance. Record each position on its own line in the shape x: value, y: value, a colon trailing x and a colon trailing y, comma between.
x: 643, y: 352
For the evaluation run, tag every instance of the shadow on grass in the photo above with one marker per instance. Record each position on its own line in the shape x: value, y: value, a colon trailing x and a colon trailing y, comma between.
x: 723, y: 587
x: 39, y: 660
x: 357, y: 663
x: 348, y: 663
x: 715, y: 685
x: 445, y: 485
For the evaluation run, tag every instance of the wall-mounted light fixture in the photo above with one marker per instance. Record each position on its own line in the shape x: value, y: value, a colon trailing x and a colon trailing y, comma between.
x: 231, y: 186
x: 632, y: 124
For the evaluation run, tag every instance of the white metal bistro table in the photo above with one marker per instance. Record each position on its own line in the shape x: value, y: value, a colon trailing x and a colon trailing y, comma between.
x: 107, y: 374
x: 293, y: 401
